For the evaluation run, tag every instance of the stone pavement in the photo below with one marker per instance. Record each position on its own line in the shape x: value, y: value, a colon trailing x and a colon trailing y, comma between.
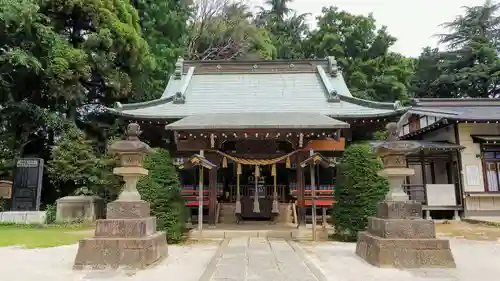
x: 260, y: 259
x: 476, y: 260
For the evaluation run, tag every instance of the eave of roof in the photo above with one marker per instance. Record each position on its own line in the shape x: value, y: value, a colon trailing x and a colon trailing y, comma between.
x: 488, y: 139
x: 477, y: 109
x: 264, y: 120
x: 437, y: 102
x: 427, y: 145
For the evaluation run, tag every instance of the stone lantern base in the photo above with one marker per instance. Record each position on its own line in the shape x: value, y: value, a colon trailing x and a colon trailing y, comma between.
x: 399, y: 237
x: 127, y: 238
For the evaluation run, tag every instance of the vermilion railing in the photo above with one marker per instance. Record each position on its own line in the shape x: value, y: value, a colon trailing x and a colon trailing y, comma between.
x: 324, y: 195
x: 190, y: 193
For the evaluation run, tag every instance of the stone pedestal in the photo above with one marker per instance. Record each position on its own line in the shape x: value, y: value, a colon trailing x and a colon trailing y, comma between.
x: 399, y: 237
x: 79, y: 208
x: 127, y: 238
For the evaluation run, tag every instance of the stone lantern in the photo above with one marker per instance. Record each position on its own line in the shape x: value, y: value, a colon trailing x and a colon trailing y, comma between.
x: 128, y: 236
x: 131, y: 152
x: 398, y: 236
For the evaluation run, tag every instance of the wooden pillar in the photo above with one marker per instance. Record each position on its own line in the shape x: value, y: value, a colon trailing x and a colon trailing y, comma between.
x: 212, y: 197
x: 424, y: 175
x: 200, y: 199
x: 323, y: 217
x: 301, y: 214
x: 212, y: 189
x: 424, y: 180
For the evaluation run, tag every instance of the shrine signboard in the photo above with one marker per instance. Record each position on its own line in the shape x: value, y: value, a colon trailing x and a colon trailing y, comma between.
x: 27, y: 184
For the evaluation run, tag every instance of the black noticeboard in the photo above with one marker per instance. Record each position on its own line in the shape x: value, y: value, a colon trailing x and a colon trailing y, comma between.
x: 27, y: 184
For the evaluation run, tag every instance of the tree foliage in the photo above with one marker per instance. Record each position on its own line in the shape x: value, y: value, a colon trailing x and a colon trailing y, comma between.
x: 362, y: 51
x: 287, y: 28
x: 358, y: 191
x: 62, y: 61
x: 469, y: 66
x: 164, y: 27
x: 223, y: 30
x: 76, y: 169
x: 161, y: 188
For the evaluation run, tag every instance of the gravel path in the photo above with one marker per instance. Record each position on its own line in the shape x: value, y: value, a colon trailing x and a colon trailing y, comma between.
x: 476, y: 260
x: 255, y: 259
x: 185, y: 263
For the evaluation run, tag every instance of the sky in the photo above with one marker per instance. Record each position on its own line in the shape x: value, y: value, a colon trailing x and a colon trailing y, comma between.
x: 413, y: 22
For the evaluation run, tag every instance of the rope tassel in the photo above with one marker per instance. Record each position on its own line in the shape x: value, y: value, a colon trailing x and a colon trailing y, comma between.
x: 224, y: 162
x: 288, y: 165
x: 273, y: 170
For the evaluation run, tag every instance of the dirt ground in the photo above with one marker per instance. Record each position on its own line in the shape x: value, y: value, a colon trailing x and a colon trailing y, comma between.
x: 468, y: 231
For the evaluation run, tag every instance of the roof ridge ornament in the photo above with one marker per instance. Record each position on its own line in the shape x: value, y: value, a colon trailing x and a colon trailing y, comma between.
x: 333, y: 96
x: 332, y: 66
x: 331, y: 93
x: 398, y: 105
x: 179, y: 98
x: 179, y: 65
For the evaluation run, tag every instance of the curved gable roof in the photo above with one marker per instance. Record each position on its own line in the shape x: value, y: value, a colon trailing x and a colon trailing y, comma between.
x: 207, y: 87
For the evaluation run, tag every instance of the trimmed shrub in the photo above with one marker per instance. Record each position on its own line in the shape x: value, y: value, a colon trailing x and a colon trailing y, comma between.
x: 161, y: 188
x: 359, y: 189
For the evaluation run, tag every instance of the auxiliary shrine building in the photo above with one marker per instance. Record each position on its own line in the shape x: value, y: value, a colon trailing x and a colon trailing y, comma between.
x: 259, y: 122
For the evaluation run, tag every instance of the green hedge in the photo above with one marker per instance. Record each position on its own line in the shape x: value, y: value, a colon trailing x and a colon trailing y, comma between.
x: 161, y: 188
x: 359, y: 189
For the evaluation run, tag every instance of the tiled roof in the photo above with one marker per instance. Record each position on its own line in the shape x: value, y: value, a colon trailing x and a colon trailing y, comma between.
x: 207, y: 87
x: 426, y: 145
x: 267, y: 120
x: 458, y: 109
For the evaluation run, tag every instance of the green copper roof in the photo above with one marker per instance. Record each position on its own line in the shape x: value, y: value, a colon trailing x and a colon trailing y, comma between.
x: 261, y: 120
x: 207, y: 87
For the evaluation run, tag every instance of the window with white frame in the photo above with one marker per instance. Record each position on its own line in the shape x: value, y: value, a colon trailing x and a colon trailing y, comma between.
x: 491, y: 162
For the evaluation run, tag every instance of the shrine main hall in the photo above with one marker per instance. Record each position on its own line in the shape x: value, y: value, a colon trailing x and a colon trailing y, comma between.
x: 257, y: 122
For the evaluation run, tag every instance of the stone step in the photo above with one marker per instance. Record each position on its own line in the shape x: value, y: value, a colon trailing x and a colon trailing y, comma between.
x: 227, y: 213
x: 293, y: 233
